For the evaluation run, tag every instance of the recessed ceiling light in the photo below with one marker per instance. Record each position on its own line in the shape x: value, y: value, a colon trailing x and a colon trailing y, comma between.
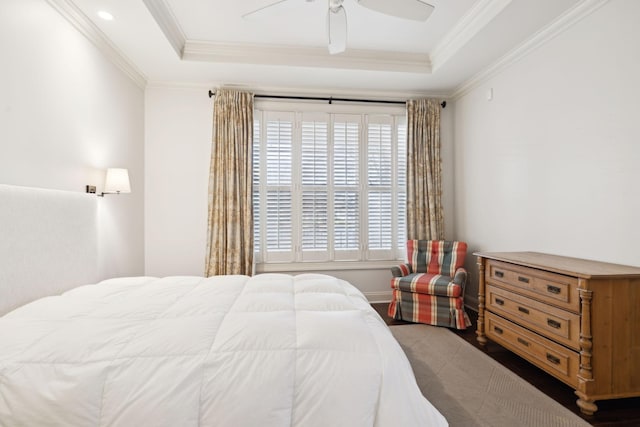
x: 105, y: 15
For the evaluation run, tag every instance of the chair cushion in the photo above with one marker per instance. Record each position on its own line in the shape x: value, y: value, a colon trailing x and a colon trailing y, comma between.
x: 436, y: 256
x: 429, y: 284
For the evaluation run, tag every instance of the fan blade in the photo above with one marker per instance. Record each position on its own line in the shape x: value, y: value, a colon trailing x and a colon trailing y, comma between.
x: 337, y: 30
x: 263, y: 8
x: 416, y: 10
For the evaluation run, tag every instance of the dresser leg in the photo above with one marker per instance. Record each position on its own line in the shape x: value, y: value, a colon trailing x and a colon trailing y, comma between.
x: 586, y: 405
x: 482, y: 338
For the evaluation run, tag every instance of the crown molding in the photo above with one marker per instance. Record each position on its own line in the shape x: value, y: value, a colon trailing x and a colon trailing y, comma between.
x: 474, y: 21
x: 558, y: 26
x: 168, y: 23
x: 87, y: 28
x: 356, y: 59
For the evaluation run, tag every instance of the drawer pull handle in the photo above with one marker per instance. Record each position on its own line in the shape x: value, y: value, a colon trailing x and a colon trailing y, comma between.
x: 523, y: 310
x: 499, y: 301
x: 553, y: 359
x: 499, y: 273
x: 523, y: 342
x: 553, y: 289
x: 523, y: 279
x: 553, y: 323
x: 498, y: 331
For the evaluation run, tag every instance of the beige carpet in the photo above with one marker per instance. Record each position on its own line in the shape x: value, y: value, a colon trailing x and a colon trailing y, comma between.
x: 470, y: 388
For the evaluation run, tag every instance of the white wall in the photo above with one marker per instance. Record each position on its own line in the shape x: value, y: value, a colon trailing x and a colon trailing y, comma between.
x: 551, y: 164
x: 178, y: 124
x: 66, y: 114
x: 178, y: 146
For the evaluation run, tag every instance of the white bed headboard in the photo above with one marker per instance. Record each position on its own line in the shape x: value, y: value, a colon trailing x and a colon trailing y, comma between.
x: 48, y: 243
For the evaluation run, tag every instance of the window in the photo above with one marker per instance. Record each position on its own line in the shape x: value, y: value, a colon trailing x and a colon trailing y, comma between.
x: 328, y: 186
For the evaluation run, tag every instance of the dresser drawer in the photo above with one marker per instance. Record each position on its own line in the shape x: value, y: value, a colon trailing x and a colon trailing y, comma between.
x: 555, y: 359
x: 560, y: 325
x: 551, y: 288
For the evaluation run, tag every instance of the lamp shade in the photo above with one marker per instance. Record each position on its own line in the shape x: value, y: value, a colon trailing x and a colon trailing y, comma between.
x: 117, y: 181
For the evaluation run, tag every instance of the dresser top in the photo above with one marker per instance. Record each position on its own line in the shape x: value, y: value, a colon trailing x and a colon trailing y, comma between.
x: 564, y: 265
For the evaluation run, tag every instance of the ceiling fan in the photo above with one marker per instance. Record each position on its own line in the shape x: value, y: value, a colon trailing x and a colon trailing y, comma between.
x: 416, y: 10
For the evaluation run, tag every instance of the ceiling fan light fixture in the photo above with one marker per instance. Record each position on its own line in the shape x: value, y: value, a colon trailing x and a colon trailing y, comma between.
x: 336, y: 27
x: 334, y: 5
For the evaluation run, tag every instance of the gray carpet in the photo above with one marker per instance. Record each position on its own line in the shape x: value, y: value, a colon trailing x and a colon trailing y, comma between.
x: 470, y: 388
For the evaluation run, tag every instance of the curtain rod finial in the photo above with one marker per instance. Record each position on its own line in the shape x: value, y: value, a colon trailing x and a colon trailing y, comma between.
x: 443, y: 103
x: 211, y: 93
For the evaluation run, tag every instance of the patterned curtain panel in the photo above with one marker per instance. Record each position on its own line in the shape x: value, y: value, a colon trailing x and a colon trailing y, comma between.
x: 230, y: 230
x: 425, y: 220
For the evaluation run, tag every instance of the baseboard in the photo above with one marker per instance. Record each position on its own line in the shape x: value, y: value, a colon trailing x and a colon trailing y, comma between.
x: 381, y: 296
x: 471, y: 303
x: 469, y: 307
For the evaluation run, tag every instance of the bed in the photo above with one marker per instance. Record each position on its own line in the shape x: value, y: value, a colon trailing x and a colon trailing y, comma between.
x: 269, y: 350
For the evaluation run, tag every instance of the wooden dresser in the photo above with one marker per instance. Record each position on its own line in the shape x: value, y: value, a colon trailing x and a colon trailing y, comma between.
x: 578, y: 320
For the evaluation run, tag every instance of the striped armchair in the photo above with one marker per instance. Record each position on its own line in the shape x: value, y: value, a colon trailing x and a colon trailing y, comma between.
x: 430, y: 287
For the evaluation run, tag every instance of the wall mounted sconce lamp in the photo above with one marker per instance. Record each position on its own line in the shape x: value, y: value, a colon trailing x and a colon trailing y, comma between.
x: 116, y: 182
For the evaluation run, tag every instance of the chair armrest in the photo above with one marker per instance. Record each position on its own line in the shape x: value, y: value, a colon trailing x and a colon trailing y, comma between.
x: 460, y: 277
x: 401, y: 270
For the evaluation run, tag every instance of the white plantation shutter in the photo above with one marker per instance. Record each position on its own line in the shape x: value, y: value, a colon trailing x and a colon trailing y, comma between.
x: 379, y: 188
x: 314, y: 222
x: 346, y: 219
x: 379, y: 210
x: 278, y: 152
x: 379, y: 154
x: 279, y: 225
x: 346, y: 185
x: 314, y: 176
x: 314, y: 153
x: 401, y: 191
x: 346, y: 151
x: 256, y: 188
x: 329, y: 187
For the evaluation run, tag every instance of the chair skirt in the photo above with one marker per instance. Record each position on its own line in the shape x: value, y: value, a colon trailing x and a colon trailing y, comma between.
x: 429, y: 309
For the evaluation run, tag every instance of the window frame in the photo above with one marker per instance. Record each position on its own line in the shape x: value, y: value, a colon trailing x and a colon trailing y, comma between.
x: 296, y: 259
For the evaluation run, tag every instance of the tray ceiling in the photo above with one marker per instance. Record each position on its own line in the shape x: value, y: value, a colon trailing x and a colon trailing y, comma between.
x: 208, y: 42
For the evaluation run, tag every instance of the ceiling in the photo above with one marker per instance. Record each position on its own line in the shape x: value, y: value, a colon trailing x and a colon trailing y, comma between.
x: 283, y: 48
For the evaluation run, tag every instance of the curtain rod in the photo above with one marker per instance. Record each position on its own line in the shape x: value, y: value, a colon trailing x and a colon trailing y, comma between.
x: 330, y: 99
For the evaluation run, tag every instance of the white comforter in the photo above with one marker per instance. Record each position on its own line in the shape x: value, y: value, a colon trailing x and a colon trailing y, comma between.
x: 272, y: 350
